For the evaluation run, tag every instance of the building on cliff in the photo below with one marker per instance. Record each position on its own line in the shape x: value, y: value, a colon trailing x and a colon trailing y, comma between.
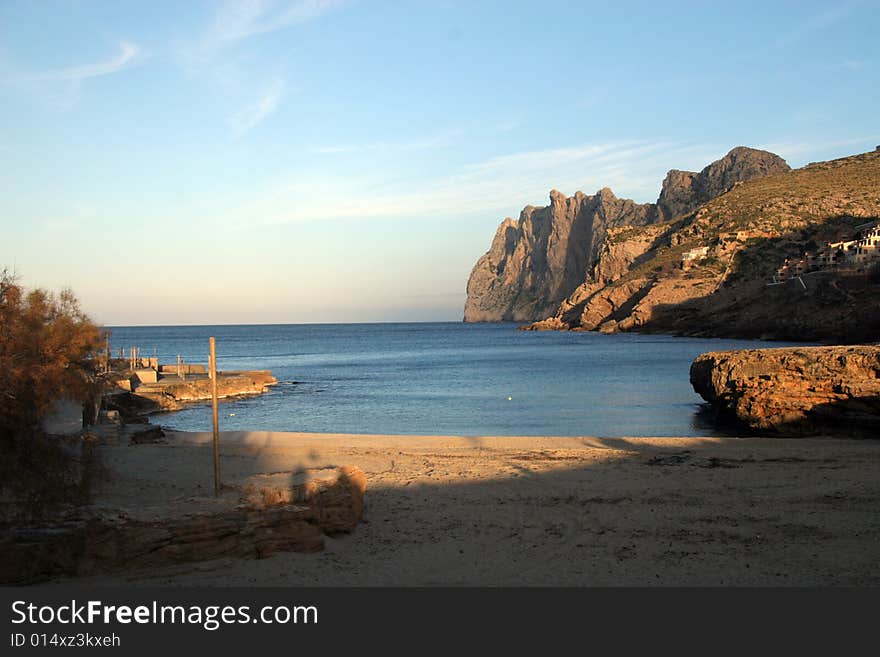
x: 848, y: 255
x: 694, y: 255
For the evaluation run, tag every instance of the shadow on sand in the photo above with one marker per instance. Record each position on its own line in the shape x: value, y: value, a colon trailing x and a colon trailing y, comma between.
x: 577, y: 512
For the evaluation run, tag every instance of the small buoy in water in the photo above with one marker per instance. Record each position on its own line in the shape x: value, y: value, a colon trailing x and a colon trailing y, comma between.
x: 510, y: 399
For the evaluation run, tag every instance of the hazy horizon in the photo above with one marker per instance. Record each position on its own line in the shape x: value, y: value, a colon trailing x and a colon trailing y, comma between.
x: 325, y: 161
x: 412, y: 321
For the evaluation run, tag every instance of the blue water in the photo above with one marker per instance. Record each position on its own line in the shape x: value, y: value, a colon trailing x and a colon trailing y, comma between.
x: 444, y: 378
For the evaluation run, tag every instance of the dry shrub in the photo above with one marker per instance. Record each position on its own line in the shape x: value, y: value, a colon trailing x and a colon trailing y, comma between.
x: 47, y: 351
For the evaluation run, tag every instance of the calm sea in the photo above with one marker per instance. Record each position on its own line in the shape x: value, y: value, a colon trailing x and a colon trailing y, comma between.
x: 444, y: 378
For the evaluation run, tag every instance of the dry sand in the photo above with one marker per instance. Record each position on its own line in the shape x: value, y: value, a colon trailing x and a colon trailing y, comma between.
x: 539, y: 511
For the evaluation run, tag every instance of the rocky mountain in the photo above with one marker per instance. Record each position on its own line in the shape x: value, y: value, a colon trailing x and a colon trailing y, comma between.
x: 536, y: 262
x: 707, y: 272
x: 684, y: 191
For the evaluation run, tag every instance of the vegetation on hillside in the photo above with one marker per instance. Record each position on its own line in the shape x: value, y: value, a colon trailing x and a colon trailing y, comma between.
x: 788, y: 212
x: 707, y: 272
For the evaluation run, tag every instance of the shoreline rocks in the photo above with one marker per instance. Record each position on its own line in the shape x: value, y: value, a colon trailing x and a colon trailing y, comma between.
x: 796, y: 390
x: 173, y: 393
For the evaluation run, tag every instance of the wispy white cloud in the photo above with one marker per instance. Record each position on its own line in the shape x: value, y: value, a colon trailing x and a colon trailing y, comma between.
x: 62, y: 87
x: 249, y: 117
x: 235, y: 21
x: 497, y: 186
x: 127, y: 55
x: 854, y: 64
x: 207, y: 53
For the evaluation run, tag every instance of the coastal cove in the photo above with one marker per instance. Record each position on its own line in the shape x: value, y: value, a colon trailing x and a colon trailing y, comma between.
x: 446, y: 378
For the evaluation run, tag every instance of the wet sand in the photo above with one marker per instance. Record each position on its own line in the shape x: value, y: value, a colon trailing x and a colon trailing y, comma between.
x: 506, y: 511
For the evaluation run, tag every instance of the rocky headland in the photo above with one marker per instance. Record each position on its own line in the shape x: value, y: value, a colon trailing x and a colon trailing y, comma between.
x: 708, y: 272
x: 536, y: 261
x: 699, y: 261
x: 796, y: 390
x: 539, y: 260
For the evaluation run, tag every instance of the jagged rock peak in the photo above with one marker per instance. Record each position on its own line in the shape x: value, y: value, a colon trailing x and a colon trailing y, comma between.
x: 537, y: 261
x: 684, y: 191
x: 742, y: 163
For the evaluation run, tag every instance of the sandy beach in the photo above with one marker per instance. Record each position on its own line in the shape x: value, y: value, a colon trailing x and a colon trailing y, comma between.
x: 505, y: 511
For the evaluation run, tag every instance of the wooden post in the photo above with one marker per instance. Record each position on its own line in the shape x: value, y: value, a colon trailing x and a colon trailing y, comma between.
x: 212, y: 366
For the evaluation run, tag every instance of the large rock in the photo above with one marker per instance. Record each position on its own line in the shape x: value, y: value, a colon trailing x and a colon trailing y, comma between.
x: 538, y: 261
x: 534, y: 263
x: 594, y: 302
x: 684, y: 191
x: 794, y: 391
x: 337, y: 501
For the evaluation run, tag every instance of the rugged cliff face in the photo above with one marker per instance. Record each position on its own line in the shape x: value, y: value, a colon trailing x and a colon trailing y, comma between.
x: 706, y: 272
x: 536, y: 262
x: 684, y: 191
x: 794, y: 391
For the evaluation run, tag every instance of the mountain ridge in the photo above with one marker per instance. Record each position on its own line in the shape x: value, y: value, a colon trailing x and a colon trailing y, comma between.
x: 708, y: 272
x: 536, y: 262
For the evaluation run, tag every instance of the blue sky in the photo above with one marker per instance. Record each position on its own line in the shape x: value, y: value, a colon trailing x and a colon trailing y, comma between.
x: 323, y: 161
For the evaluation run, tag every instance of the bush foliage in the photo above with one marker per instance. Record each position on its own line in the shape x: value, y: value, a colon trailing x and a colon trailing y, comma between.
x: 47, y: 351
